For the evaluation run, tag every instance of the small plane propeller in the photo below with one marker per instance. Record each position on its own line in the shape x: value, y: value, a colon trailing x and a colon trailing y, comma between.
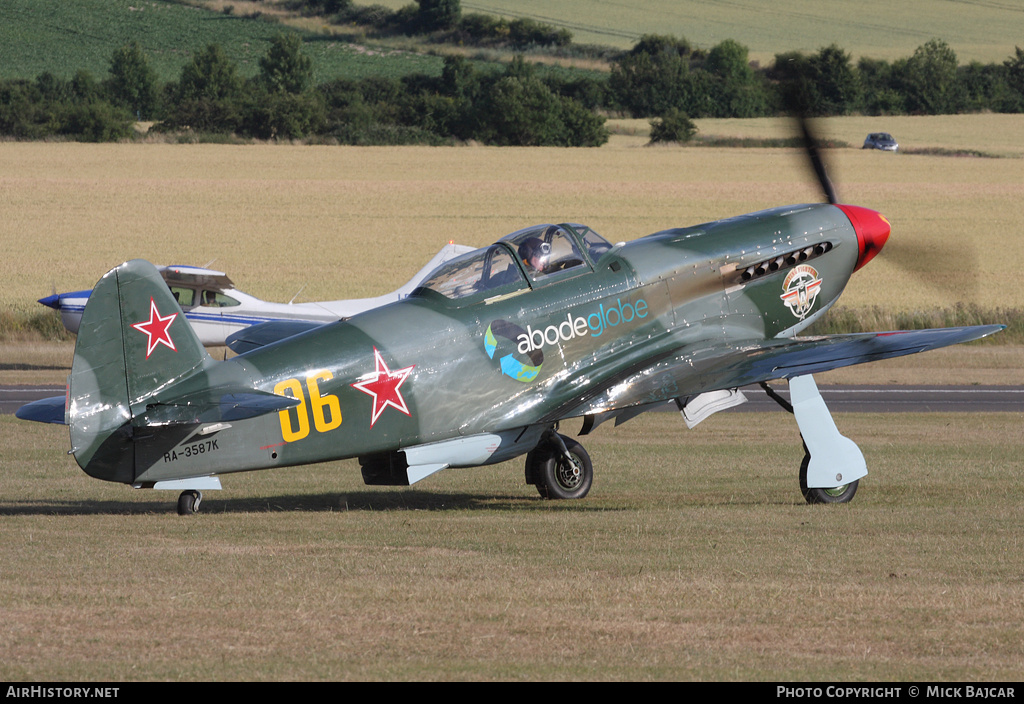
x: 929, y: 264
x: 817, y: 162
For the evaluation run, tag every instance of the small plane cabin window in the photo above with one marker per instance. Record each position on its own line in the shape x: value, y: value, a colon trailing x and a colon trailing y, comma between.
x: 216, y: 299
x: 186, y: 297
x: 545, y: 250
x: 491, y: 271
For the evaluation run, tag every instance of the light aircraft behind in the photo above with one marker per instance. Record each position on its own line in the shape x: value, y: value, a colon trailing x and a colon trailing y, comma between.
x: 216, y: 309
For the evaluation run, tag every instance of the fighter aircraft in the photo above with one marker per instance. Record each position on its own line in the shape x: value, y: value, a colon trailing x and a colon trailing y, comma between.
x: 217, y: 309
x: 483, y: 361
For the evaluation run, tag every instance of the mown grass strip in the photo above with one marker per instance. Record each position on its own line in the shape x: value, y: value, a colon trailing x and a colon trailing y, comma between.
x: 30, y: 326
x: 876, y: 318
x: 939, y: 151
x: 765, y: 143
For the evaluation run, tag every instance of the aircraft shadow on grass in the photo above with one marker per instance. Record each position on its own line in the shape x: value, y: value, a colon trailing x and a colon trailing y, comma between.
x: 369, y: 501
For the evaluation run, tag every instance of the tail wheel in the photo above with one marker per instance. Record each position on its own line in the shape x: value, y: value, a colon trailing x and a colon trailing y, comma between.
x: 188, y: 502
x: 558, y: 476
x: 835, y: 495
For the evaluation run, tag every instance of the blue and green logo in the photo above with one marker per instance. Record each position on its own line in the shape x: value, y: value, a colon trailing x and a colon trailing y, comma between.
x: 500, y: 343
x: 521, y: 353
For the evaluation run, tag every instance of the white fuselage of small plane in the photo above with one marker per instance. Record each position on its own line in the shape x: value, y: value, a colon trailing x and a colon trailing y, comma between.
x: 216, y: 309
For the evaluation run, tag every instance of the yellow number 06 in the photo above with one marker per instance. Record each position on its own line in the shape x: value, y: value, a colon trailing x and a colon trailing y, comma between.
x: 322, y: 406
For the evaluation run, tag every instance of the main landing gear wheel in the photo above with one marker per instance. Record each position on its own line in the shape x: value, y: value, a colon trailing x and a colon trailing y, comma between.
x: 836, y: 495
x: 558, y: 474
x: 188, y: 502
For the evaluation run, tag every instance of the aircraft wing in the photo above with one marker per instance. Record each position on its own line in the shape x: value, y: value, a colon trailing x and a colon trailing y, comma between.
x: 213, y: 404
x: 263, y: 334
x: 195, y: 276
x: 696, y: 368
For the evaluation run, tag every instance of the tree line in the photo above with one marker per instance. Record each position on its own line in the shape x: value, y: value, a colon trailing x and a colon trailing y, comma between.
x: 210, y: 97
x: 660, y: 77
x: 442, y: 20
x: 664, y: 73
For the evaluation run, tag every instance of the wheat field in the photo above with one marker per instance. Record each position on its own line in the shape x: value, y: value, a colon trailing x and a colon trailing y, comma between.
x: 328, y: 222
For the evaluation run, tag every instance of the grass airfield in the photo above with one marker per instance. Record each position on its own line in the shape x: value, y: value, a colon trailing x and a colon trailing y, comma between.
x: 694, y: 557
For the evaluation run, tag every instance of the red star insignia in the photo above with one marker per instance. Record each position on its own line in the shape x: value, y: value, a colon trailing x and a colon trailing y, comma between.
x: 383, y: 385
x: 156, y: 329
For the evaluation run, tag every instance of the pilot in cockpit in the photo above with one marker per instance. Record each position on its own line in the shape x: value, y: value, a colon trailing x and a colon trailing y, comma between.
x: 535, y: 254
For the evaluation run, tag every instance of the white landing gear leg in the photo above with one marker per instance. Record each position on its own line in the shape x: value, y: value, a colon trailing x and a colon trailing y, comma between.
x: 833, y: 464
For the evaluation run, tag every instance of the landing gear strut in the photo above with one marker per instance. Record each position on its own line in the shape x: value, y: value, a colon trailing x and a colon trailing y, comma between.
x: 560, y: 468
x: 833, y: 464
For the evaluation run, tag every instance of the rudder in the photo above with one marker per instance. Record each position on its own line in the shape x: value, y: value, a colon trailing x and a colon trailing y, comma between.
x: 133, y: 341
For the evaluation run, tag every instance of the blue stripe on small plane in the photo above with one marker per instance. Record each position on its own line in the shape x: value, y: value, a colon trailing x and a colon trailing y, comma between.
x: 191, y: 315
x: 232, y: 319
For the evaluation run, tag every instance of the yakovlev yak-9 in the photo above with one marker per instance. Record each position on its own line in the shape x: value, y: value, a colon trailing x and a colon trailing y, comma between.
x: 483, y: 360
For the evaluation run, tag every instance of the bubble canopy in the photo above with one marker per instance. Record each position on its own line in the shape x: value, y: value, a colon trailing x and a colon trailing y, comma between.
x: 517, y: 261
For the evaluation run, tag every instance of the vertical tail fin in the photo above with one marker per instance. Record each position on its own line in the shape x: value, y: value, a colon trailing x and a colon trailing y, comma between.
x: 133, y: 341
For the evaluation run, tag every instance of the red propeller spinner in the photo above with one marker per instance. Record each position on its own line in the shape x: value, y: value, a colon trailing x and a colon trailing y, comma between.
x: 872, y: 231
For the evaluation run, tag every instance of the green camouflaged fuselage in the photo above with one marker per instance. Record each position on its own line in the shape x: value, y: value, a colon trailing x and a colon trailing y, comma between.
x: 430, y: 368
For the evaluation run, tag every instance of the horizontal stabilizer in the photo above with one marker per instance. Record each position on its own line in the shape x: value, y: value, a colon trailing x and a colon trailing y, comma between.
x: 45, y: 410
x: 214, y: 405
x: 263, y: 334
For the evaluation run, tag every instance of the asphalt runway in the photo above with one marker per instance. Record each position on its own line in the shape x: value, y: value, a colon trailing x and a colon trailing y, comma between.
x: 902, y: 399
x: 840, y: 399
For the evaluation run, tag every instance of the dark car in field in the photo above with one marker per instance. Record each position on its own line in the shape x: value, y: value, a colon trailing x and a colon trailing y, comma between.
x: 881, y: 140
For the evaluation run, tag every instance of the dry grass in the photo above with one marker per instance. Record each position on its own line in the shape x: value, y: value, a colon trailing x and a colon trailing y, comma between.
x: 691, y: 560
x: 35, y: 362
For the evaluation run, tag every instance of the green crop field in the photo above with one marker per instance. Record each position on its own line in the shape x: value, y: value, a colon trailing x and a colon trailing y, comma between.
x: 63, y: 37
x: 976, y: 29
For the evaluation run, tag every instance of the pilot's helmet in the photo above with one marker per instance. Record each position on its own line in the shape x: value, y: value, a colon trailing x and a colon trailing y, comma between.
x: 534, y: 247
